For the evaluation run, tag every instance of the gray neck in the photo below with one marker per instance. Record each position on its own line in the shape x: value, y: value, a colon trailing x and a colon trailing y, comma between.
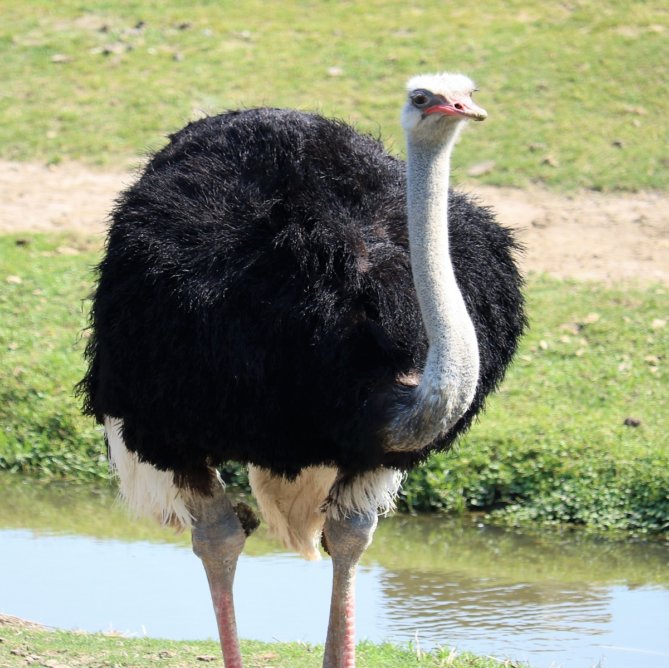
x: 450, y: 376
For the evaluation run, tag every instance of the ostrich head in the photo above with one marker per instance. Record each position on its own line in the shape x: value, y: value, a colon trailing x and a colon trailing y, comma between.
x: 437, y: 104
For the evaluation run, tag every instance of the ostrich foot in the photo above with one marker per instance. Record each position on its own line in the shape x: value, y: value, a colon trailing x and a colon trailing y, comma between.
x: 219, y: 534
x: 345, y: 539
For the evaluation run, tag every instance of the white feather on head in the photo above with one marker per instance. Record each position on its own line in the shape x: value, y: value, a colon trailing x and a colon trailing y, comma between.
x: 444, y: 83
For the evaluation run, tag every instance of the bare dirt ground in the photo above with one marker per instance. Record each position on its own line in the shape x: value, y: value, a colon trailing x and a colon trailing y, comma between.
x: 9, y: 621
x: 586, y: 235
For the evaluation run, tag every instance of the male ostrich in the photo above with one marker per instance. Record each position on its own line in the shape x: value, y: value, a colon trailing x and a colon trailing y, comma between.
x: 279, y: 291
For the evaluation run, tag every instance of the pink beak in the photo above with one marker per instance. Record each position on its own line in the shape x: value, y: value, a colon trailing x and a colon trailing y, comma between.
x: 464, y: 108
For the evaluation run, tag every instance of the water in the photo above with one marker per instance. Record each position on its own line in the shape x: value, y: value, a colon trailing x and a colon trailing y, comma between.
x: 72, y: 559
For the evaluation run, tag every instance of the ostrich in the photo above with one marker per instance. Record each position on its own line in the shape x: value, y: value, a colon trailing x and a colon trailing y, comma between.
x: 279, y: 291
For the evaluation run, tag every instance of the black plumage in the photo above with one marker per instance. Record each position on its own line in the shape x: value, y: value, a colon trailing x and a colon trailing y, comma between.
x: 256, y: 299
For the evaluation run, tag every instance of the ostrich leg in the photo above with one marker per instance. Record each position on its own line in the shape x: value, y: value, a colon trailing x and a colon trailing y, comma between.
x: 218, y: 539
x: 346, y: 539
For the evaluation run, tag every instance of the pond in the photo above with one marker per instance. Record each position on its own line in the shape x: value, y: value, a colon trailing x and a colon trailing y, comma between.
x: 72, y: 558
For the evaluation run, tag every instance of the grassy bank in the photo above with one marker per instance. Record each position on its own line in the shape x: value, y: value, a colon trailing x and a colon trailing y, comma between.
x: 572, y: 89
x: 23, y: 644
x: 553, y: 446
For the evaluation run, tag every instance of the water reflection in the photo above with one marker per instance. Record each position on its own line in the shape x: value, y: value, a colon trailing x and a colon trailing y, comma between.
x: 487, y: 605
x: 549, y: 599
x: 466, y: 546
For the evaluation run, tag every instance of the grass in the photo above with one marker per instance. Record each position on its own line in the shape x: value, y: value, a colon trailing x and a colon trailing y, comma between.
x: 572, y: 89
x: 580, y: 432
x: 42, y: 319
x: 553, y: 446
x: 22, y: 645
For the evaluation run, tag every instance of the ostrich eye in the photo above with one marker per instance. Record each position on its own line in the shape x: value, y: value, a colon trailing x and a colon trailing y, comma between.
x: 420, y: 98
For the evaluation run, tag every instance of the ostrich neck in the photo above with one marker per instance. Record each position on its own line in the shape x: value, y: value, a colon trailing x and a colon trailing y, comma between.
x: 450, y: 375
x: 428, y: 171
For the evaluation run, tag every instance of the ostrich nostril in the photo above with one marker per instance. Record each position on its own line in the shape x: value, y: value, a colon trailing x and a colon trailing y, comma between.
x: 458, y: 106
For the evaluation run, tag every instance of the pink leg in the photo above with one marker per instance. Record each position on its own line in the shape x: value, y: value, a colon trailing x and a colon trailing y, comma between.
x: 346, y: 540
x: 218, y: 539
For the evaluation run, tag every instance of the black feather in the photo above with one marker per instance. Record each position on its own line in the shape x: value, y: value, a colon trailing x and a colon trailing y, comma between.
x: 256, y: 296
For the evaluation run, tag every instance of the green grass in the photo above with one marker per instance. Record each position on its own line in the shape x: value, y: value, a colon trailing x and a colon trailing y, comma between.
x: 574, y: 90
x: 552, y: 447
x: 41, y: 321
x: 59, y: 648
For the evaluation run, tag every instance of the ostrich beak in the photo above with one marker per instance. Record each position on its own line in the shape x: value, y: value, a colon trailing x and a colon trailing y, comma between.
x: 472, y: 110
x: 463, y: 108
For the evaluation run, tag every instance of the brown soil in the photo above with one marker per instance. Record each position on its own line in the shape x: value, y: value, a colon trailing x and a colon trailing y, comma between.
x: 9, y: 621
x: 586, y: 235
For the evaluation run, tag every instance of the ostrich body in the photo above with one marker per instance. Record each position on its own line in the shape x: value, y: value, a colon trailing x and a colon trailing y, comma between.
x: 279, y: 291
